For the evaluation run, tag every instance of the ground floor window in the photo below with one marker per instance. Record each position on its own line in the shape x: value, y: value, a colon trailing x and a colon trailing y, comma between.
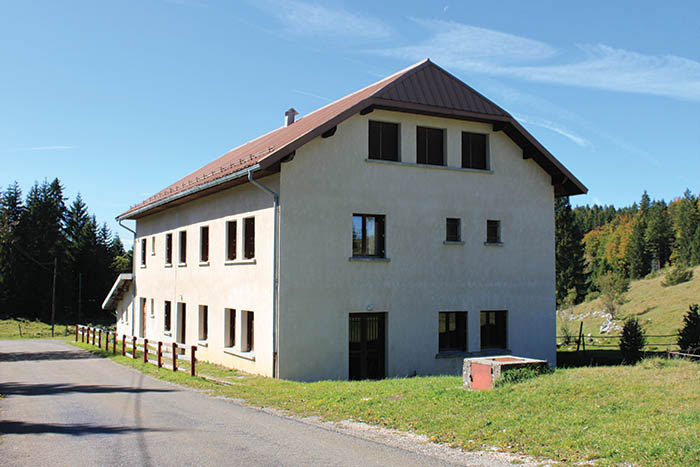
x: 493, y: 329
x: 203, y: 322
x: 452, y: 329
x: 166, y: 314
x: 230, y: 328
x: 181, y: 323
x: 249, y: 344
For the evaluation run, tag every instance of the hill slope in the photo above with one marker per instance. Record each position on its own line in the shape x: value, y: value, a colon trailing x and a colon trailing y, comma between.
x: 659, y: 309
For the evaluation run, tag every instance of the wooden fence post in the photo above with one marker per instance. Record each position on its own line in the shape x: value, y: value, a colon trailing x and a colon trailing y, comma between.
x: 93, y: 336
x: 82, y: 335
x: 174, y: 356
x: 580, y: 335
x: 107, y: 340
x: 193, y: 349
x: 145, y: 350
x: 123, y: 345
x: 99, y: 338
x: 133, y: 347
x: 76, y: 333
x: 160, y: 354
x: 114, y: 344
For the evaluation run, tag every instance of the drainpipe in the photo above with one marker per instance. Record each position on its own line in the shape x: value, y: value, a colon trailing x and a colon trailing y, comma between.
x: 133, y: 275
x: 275, y: 281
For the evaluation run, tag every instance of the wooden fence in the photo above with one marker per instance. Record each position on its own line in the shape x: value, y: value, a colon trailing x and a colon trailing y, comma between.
x: 608, y: 342
x: 166, y: 354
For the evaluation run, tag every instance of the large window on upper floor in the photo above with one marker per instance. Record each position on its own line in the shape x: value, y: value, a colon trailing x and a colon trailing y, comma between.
x: 204, y: 244
x: 143, y: 252
x: 183, y: 247
x: 368, y: 235
x: 474, y: 152
x: 430, y: 146
x: 231, y: 240
x: 249, y: 238
x: 383, y: 141
x: 169, y: 248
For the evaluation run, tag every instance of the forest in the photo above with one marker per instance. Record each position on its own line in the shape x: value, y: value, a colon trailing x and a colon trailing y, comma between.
x: 597, y: 246
x: 40, y: 234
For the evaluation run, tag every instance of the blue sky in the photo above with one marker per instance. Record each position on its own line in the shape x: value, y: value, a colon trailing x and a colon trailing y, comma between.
x: 120, y: 98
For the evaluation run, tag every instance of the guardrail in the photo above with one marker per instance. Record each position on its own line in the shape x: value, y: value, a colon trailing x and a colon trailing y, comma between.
x: 132, y: 346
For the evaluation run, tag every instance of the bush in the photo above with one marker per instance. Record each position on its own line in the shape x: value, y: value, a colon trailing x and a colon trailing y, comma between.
x: 518, y: 375
x: 689, y: 338
x: 566, y: 334
x: 613, y: 289
x: 677, y: 275
x: 632, y: 341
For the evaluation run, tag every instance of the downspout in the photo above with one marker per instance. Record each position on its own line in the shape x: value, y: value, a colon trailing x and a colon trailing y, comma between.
x: 133, y: 275
x: 275, y: 280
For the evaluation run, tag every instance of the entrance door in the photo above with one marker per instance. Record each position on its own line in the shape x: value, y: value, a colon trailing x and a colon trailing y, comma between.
x: 181, y: 320
x: 367, y: 347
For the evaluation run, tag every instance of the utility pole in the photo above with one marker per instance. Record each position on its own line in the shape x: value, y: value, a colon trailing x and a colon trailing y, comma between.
x: 53, y: 295
x: 80, y: 293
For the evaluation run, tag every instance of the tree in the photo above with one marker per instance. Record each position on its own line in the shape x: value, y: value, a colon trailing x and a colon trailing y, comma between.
x: 689, y: 335
x: 613, y: 289
x: 632, y: 341
x: 569, y: 252
x: 659, y: 235
x: 686, y: 223
x: 638, y: 257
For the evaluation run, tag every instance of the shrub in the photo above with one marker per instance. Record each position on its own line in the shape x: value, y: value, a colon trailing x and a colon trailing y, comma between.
x: 518, y: 375
x: 566, y: 333
x: 689, y: 335
x: 632, y: 341
x: 677, y: 275
x: 613, y: 289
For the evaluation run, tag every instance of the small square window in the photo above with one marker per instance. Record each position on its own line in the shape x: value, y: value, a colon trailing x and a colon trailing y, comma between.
x: 474, y: 151
x: 493, y: 329
x: 368, y: 235
x: 430, y: 146
x: 452, y: 329
x: 383, y: 141
x: 493, y: 231
x: 204, y: 244
x: 453, y: 230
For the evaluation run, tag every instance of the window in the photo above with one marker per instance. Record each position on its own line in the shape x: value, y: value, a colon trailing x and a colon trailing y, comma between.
x: 452, y: 331
x: 249, y: 240
x: 230, y: 328
x: 153, y: 308
x: 153, y: 246
x: 474, y: 151
x: 169, y: 248
x: 250, y: 331
x: 368, y: 235
x: 183, y: 247
x: 453, y: 231
x: 203, y: 322
x: 204, y: 244
x: 493, y: 231
x: 167, y: 315
x: 430, y: 144
x: 143, y: 252
x: 231, y: 240
x: 383, y: 141
x: 493, y: 329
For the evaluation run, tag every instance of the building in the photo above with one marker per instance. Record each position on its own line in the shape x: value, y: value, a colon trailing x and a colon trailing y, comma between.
x: 389, y: 233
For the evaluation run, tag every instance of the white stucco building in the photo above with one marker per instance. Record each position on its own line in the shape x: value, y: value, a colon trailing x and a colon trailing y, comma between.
x: 390, y: 233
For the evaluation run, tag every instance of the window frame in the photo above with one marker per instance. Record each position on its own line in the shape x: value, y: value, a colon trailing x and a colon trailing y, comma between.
x: 168, y: 249
x: 167, y: 316
x: 231, y: 240
x: 248, y: 238
x: 249, y: 331
x: 489, y: 238
x: 143, y: 252
x: 490, y: 337
x: 204, y: 244
x: 379, y: 236
x: 458, y: 237
x: 468, y: 159
x: 182, y: 247
x: 229, y: 328
x: 203, y: 332
x: 381, y: 125
x: 153, y: 245
x: 427, y: 157
x: 457, y: 339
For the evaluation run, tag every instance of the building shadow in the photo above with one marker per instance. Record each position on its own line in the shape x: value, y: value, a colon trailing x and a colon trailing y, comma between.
x: 22, y: 389
x: 46, y: 355
x: 74, y: 429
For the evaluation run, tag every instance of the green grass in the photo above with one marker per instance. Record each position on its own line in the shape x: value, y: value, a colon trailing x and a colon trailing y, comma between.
x: 10, y: 329
x: 659, y: 309
x: 646, y: 414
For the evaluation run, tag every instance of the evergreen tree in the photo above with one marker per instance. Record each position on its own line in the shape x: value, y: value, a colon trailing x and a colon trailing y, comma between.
x: 569, y: 253
x: 659, y: 235
x: 686, y: 223
x: 638, y: 257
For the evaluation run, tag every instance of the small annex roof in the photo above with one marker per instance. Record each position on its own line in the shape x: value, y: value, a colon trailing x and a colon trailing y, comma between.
x: 422, y: 88
x: 120, y: 287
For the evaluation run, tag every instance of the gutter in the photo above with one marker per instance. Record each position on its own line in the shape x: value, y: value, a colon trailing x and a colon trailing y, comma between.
x: 133, y: 275
x: 275, y: 279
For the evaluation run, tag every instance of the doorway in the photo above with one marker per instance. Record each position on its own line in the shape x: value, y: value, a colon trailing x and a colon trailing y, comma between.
x: 367, y: 346
x: 181, y: 322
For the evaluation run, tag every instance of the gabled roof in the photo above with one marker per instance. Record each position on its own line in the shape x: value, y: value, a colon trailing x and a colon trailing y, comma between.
x: 120, y: 287
x: 423, y: 88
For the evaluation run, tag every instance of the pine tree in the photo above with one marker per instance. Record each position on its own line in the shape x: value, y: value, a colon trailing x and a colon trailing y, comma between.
x: 659, y: 235
x: 569, y: 253
x: 638, y: 257
x: 686, y: 223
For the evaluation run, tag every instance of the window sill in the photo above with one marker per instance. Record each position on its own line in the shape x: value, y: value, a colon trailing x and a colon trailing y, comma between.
x: 202, y: 344
x: 445, y: 354
x: 203, y: 263
x: 143, y: 266
x: 168, y: 265
x: 452, y: 242
x: 368, y: 259
x: 181, y: 265
x: 244, y: 355
x: 493, y: 243
x: 428, y: 166
x: 168, y: 333
x: 239, y: 261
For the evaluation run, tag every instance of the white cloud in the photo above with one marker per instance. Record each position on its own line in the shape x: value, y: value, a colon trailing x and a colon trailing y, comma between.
x: 557, y: 128
x: 600, y: 66
x: 315, y: 19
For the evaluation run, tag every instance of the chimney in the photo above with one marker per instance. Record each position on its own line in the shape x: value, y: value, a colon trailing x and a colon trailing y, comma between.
x: 289, y: 116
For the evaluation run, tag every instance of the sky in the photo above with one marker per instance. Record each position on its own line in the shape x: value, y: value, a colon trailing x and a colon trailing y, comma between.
x: 118, y: 99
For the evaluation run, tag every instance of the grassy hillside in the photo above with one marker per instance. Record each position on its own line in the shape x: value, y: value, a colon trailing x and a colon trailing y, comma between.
x: 11, y: 328
x: 659, y: 309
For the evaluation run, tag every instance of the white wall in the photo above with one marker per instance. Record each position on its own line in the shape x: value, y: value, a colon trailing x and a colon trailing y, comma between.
x: 241, y: 285
x: 330, y: 179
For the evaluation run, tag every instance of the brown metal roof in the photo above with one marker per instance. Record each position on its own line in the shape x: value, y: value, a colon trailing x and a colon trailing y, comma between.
x: 421, y: 88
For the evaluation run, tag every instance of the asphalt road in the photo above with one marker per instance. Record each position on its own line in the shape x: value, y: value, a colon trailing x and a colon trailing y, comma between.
x: 63, y: 406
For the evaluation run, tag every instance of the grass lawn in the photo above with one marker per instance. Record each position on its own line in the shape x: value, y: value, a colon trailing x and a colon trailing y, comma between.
x: 648, y: 414
x: 10, y: 329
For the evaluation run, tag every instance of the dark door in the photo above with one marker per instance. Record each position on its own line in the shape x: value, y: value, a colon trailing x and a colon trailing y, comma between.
x: 367, y: 347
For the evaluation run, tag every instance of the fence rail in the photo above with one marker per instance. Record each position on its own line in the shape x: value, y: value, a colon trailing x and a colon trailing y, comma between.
x: 132, y: 346
x: 591, y: 341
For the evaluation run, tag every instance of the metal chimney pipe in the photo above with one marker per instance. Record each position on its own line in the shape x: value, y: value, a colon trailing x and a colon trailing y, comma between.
x: 289, y: 116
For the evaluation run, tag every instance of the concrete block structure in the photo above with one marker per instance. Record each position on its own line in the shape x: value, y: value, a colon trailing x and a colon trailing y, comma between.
x: 390, y: 233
